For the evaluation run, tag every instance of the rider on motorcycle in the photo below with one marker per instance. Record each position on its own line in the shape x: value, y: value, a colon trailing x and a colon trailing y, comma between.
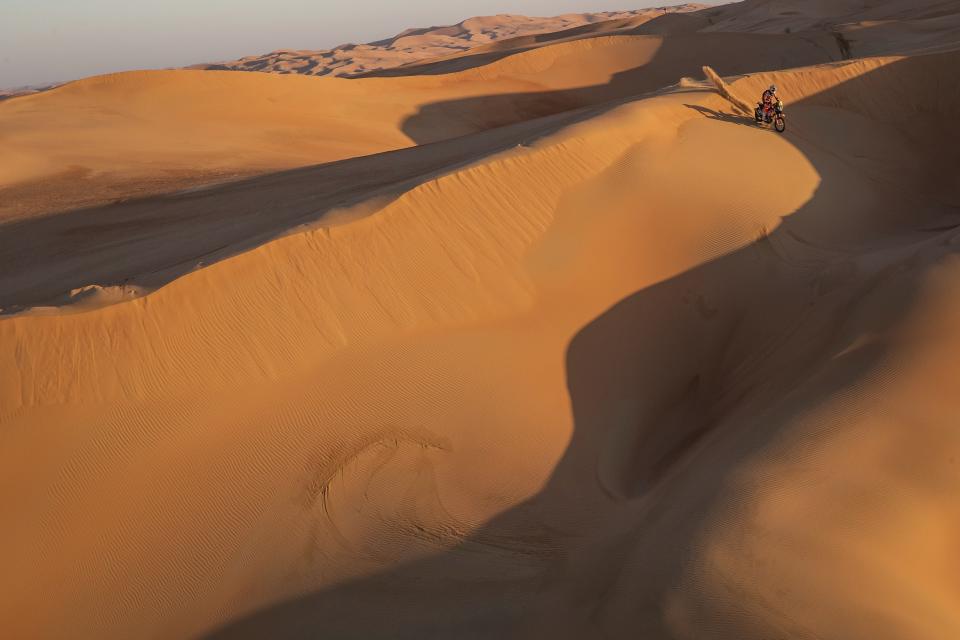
x: 769, y: 99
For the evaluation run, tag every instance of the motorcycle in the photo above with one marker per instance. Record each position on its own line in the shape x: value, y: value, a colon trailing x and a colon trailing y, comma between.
x: 777, y: 118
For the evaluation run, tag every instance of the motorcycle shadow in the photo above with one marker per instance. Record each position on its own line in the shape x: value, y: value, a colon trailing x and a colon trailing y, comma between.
x: 747, y: 121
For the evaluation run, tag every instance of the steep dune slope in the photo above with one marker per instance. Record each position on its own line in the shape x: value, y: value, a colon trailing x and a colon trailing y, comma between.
x: 140, y: 134
x: 55, y: 257
x: 773, y: 16
x: 625, y: 379
x: 137, y: 134
x: 861, y: 27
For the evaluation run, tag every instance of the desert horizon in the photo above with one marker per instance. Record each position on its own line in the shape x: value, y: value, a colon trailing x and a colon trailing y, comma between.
x: 515, y: 327
x: 407, y: 46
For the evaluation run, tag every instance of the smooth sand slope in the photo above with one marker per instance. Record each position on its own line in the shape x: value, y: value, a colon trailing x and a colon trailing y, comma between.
x: 657, y: 373
x: 135, y: 133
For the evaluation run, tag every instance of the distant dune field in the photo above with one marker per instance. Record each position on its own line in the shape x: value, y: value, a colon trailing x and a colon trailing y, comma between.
x: 415, y: 45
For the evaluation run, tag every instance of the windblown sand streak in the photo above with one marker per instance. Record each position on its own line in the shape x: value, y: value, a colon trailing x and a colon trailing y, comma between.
x: 724, y: 90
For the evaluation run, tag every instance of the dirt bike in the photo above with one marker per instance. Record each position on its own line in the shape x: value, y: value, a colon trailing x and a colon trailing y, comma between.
x: 778, y: 118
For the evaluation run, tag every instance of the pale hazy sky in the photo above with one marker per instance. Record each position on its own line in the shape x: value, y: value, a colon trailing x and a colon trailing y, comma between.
x: 54, y: 40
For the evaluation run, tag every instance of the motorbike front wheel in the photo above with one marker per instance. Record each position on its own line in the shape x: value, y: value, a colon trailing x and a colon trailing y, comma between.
x: 780, y: 124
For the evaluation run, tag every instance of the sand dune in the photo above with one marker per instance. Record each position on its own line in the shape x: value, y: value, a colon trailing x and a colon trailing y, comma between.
x: 139, y: 134
x: 142, y: 133
x: 607, y: 360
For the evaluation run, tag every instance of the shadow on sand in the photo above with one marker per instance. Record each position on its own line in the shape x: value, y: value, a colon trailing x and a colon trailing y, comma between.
x: 723, y: 117
x: 677, y: 57
x: 114, y: 245
x: 673, y: 391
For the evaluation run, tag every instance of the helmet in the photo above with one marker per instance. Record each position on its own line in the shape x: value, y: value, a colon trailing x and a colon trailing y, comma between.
x: 773, y: 88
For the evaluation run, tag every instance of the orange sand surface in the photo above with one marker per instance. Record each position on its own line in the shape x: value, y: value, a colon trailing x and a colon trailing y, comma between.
x: 555, y: 343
